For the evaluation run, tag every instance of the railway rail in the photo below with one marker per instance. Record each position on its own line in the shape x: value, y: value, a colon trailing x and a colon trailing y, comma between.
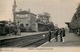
x: 26, y: 41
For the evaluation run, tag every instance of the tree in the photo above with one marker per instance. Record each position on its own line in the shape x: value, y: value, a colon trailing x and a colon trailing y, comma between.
x: 46, y: 14
x: 51, y: 25
x: 40, y: 15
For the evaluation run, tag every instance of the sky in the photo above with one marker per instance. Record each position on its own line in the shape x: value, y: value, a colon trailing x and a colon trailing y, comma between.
x: 61, y: 11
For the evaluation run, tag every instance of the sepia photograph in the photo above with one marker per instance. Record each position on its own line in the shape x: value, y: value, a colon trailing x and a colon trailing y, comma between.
x: 39, y: 23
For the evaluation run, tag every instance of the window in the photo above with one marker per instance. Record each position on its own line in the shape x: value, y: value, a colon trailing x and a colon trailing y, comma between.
x: 22, y: 25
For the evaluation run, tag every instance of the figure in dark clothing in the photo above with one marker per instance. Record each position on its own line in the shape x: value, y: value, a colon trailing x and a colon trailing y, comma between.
x: 62, y: 35
x: 56, y: 35
x: 7, y: 29
x: 49, y: 36
x: 15, y: 30
x: 63, y: 32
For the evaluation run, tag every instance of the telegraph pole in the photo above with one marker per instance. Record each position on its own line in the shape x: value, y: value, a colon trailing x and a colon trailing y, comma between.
x: 14, y: 11
x: 14, y: 17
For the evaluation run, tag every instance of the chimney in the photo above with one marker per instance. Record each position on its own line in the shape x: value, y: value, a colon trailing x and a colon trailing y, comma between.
x: 20, y: 9
x: 28, y: 10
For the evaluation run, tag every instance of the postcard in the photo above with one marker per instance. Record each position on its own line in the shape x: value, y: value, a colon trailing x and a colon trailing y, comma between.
x: 40, y: 26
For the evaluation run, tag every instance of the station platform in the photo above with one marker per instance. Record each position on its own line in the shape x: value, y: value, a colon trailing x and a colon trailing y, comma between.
x: 70, y: 40
x: 22, y: 35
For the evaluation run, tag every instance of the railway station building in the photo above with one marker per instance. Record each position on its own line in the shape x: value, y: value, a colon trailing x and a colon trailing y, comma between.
x: 26, y: 20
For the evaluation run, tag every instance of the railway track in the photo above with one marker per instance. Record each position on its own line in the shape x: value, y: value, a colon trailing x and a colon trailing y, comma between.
x: 27, y: 41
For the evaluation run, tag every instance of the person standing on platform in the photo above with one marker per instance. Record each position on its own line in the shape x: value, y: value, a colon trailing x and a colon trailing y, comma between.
x: 56, y: 34
x: 7, y: 29
x: 49, y: 39
x: 62, y: 35
x: 15, y: 30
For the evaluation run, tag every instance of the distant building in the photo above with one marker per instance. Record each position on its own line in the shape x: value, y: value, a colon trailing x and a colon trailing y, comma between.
x: 43, y: 18
x: 26, y: 19
x: 74, y: 25
x: 43, y: 22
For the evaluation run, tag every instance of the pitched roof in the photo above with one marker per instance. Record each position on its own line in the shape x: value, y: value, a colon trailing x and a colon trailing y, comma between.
x: 25, y: 12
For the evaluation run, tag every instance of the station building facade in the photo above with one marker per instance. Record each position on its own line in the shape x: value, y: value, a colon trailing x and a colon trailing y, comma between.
x: 26, y: 20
